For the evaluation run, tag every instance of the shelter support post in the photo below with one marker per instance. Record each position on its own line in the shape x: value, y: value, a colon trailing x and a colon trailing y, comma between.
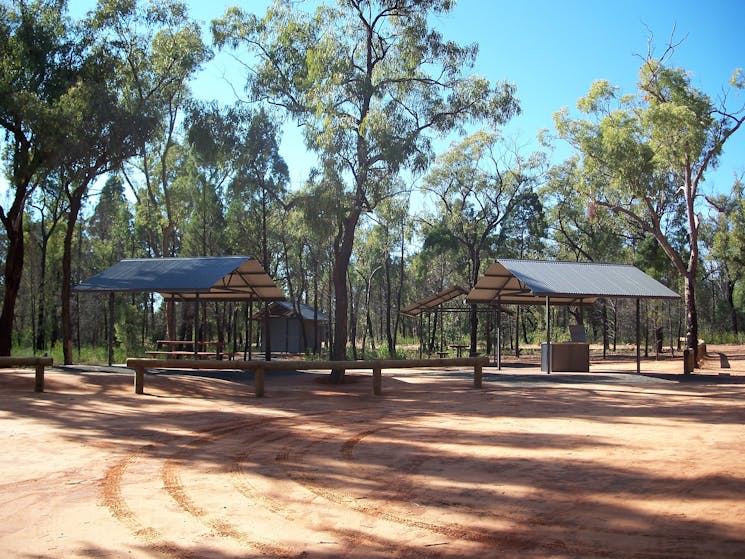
x: 196, y: 325
x: 249, y: 338
x: 110, y: 340
x: 548, y: 334
x: 499, y: 336
x: 421, y: 335
x: 638, y: 340
x: 442, y: 330
x: 267, y: 334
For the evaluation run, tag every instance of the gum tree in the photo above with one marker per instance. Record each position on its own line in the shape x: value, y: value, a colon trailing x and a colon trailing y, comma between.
x: 477, y: 186
x: 38, y: 71
x: 646, y: 155
x: 368, y: 81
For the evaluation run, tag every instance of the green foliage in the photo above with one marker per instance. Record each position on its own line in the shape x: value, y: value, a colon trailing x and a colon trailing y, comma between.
x: 485, y: 201
x: 88, y: 355
x: 209, y: 179
x: 644, y: 156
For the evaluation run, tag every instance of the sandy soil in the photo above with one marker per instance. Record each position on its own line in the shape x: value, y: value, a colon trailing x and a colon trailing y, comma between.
x: 605, y: 464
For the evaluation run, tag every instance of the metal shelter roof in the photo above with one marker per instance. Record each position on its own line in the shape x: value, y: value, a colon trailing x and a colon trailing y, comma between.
x: 530, y: 282
x: 415, y: 309
x: 223, y: 278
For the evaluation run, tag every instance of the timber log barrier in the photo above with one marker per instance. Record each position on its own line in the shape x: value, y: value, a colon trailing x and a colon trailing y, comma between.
x: 37, y: 363
x: 260, y: 367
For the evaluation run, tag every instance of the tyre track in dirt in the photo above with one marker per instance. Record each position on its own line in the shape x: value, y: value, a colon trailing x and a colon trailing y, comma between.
x: 291, y: 460
x: 397, y: 481
x: 246, y: 483
x: 406, y: 491
x: 113, y: 498
x: 273, y: 475
x: 259, y: 434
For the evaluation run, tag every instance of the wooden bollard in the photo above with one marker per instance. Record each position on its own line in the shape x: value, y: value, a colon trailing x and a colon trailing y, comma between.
x: 688, y: 361
x: 259, y: 382
x: 377, y: 381
x: 478, y: 375
x: 39, y: 378
x: 139, y: 380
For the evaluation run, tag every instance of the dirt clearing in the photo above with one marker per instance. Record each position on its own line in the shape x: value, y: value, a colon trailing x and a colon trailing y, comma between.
x: 605, y: 464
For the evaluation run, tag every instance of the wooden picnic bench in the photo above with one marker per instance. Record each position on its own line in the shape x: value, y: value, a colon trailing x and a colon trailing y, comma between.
x: 260, y: 367
x: 175, y: 349
x: 176, y: 354
x: 37, y: 362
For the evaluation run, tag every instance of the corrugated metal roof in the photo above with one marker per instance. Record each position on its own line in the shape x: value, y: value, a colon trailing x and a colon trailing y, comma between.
x: 225, y: 278
x: 432, y: 301
x: 531, y: 281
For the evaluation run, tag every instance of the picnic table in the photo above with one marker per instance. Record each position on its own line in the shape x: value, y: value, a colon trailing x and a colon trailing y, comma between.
x: 459, y: 348
x: 176, y: 349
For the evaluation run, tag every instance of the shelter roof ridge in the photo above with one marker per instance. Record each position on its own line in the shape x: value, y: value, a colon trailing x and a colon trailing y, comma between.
x: 565, y: 262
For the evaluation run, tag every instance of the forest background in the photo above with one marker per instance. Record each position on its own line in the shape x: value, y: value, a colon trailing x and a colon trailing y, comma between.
x: 147, y: 130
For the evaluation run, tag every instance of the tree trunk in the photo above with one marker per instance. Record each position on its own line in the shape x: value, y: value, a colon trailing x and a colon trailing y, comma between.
x: 691, y: 313
x: 353, y: 320
x: 75, y: 204
x: 316, y: 346
x: 474, y: 315
x: 388, y: 305
x: 13, y: 272
x: 40, y: 341
x: 399, y: 294
x: 342, y: 254
x: 730, y: 291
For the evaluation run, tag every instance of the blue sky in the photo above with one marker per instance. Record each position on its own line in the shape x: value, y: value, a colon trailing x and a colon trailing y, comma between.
x: 552, y: 51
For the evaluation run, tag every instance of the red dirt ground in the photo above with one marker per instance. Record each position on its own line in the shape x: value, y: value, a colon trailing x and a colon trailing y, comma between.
x: 606, y: 464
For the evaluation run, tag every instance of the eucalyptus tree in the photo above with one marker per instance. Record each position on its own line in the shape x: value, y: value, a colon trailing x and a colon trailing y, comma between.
x: 38, y: 71
x: 367, y: 80
x: 160, y: 50
x: 104, y: 128
x: 107, y: 237
x: 110, y: 227
x: 581, y: 229
x: 524, y: 231
x: 726, y: 245
x: 257, y: 191
x: 394, y: 225
x: 263, y: 176
x: 214, y: 141
x: 584, y: 231
x: 317, y: 205
x: 477, y: 185
x: 646, y: 155
x: 48, y: 206
x: 371, y: 254
x: 203, y: 231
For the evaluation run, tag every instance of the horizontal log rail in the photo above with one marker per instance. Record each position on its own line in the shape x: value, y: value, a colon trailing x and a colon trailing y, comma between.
x: 260, y: 367
x: 37, y: 363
